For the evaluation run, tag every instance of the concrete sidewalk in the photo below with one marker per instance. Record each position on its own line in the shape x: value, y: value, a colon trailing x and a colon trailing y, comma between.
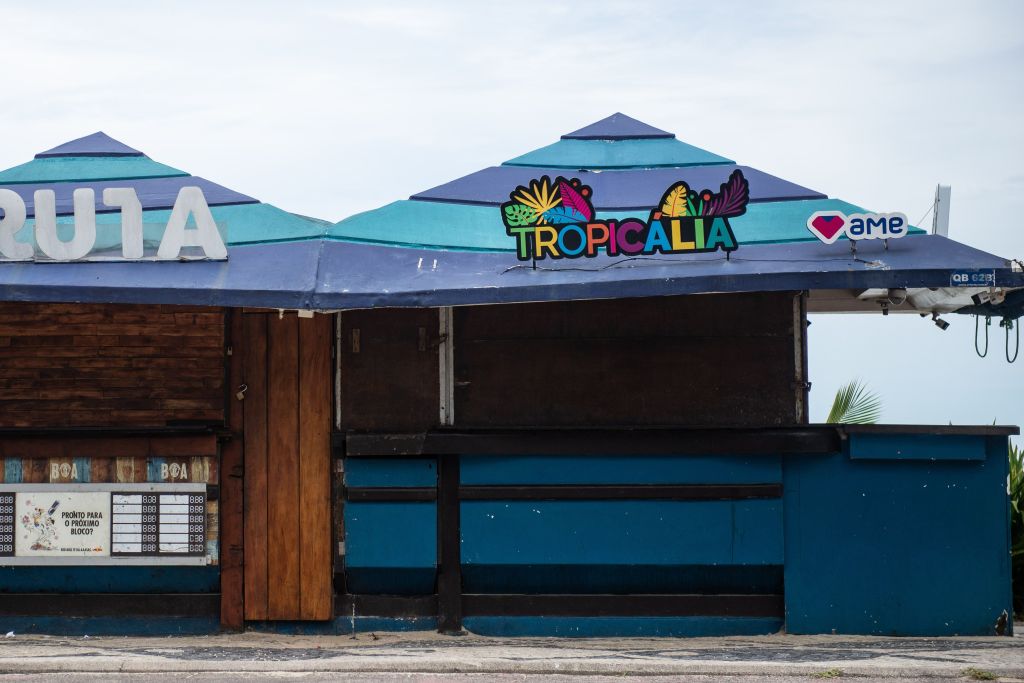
x: 394, y: 655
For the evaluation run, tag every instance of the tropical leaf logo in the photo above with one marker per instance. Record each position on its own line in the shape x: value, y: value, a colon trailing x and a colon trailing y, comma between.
x: 543, y: 202
x: 731, y: 199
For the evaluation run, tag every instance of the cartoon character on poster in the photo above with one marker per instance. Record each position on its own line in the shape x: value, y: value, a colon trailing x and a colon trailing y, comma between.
x: 39, y: 524
x: 62, y: 524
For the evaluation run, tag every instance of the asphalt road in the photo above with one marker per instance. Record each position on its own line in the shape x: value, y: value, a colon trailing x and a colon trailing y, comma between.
x: 432, y: 657
x: 454, y: 678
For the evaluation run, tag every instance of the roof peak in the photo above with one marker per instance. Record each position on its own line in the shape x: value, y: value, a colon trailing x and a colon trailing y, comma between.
x: 618, y: 126
x: 99, y: 144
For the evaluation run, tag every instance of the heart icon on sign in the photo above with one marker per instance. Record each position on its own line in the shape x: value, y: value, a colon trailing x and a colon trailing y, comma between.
x: 827, y: 226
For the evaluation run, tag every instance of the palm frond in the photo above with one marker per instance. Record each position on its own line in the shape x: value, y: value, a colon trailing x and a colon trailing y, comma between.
x: 1016, y: 492
x: 854, y: 404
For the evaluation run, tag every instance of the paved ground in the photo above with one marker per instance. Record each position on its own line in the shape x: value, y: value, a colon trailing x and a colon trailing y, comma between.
x: 431, y: 657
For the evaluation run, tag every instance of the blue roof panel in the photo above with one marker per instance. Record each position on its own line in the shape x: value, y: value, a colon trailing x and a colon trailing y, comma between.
x: 96, y: 145
x: 614, y: 190
x: 366, y: 275
x: 274, y: 276
x: 618, y: 126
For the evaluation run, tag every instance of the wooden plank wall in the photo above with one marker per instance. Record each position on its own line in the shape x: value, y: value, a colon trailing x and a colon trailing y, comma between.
x: 75, y: 365
x: 709, y: 360
x: 287, y: 418
x: 389, y: 369
x: 232, y: 578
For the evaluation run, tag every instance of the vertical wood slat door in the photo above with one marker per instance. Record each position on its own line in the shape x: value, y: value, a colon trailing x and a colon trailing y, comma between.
x: 287, y: 421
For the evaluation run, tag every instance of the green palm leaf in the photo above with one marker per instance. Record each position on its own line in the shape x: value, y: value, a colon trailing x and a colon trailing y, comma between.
x: 854, y: 404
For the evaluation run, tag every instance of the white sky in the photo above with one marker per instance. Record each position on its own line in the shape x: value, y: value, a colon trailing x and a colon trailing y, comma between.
x: 330, y: 108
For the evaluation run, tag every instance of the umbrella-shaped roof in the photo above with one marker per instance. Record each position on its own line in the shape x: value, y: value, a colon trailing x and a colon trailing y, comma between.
x: 255, y: 273
x: 456, y: 229
x: 629, y: 164
x: 447, y: 245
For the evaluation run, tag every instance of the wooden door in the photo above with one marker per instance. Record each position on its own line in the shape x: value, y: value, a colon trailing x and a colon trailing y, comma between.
x: 287, y: 422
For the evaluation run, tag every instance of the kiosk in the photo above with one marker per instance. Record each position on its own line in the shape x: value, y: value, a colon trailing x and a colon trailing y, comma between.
x: 477, y: 409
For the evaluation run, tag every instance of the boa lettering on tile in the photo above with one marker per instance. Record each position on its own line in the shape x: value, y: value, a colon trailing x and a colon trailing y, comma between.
x: 556, y: 220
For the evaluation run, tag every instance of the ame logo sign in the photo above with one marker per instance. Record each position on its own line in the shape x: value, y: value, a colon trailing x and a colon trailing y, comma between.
x: 177, y: 235
x: 829, y: 226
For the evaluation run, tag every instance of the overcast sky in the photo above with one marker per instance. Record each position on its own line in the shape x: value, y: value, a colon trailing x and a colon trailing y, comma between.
x: 330, y: 108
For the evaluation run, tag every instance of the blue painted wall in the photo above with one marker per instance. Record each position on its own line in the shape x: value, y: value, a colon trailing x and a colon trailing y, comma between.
x: 100, y: 579
x: 882, y: 544
x: 902, y: 534
x: 616, y: 469
x: 391, y: 548
x: 622, y: 545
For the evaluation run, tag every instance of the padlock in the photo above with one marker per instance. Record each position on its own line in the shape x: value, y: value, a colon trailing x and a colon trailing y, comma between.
x: 240, y: 394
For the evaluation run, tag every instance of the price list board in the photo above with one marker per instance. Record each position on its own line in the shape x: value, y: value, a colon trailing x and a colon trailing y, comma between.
x: 157, y: 524
x: 6, y: 524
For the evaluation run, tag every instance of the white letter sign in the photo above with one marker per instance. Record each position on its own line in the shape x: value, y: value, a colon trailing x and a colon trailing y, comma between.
x: 14, y: 219
x: 131, y: 219
x: 84, y: 237
x: 177, y: 234
x: 191, y: 201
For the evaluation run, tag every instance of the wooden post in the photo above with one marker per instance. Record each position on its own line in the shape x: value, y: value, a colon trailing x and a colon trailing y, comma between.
x: 232, y: 557
x: 254, y: 363
x: 449, y: 570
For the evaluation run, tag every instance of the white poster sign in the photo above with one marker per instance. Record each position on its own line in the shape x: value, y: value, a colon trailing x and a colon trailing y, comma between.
x: 61, y: 524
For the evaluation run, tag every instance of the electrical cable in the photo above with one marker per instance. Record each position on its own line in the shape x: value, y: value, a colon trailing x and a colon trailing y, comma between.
x: 988, y: 321
x: 930, y: 209
x: 1008, y: 324
x: 684, y: 262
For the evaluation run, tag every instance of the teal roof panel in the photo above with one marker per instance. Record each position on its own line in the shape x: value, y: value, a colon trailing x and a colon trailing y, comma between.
x: 77, y: 169
x: 618, y: 154
x: 239, y: 224
x: 470, y: 227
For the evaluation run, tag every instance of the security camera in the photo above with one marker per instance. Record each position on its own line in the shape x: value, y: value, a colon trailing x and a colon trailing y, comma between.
x: 939, y: 322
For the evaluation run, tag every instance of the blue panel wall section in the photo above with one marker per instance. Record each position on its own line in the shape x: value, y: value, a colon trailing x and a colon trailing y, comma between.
x: 100, y: 579
x: 623, y: 578
x: 614, y: 469
x: 391, y: 472
x: 390, y: 548
x: 621, y: 546
x: 896, y: 546
x: 920, y: 447
x: 622, y: 532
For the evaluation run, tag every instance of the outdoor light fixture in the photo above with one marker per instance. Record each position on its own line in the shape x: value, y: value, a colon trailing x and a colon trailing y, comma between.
x: 994, y: 297
x: 939, y: 322
x: 897, y: 296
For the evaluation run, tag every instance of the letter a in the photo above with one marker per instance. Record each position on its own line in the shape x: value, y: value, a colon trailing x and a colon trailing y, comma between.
x: 191, y: 201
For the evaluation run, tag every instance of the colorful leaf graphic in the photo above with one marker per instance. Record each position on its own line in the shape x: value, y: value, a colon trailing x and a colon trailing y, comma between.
x: 520, y: 214
x: 561, y: 215
x: 731, y: 199
x: 574, y: 200
x: 673, y: 204
x: 540, y: 196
